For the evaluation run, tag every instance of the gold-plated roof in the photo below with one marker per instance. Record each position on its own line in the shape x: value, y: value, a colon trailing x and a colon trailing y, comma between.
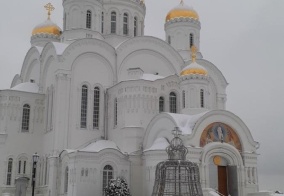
x: 47, y: 27
x: 182, y: 11
x: 193, y: 68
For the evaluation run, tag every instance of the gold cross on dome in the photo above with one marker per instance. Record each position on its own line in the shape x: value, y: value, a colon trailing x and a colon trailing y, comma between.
x: 176, y: 132
x: 193, y: 53
x: 49, y: 7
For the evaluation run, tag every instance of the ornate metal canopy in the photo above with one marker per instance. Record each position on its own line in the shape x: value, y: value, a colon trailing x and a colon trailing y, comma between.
x: 177, y: 176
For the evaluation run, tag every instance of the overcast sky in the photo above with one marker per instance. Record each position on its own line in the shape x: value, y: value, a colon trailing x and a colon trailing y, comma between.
x: 243, y: 38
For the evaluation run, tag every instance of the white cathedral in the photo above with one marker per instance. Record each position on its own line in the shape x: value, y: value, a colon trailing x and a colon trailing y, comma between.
x: 99, y: 100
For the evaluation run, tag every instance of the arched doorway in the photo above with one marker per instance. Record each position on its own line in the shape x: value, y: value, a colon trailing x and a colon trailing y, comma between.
x: 223, y: 177
x: 222, y: 168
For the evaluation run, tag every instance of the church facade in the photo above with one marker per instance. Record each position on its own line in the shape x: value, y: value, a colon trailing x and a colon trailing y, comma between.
x: 98, y: 100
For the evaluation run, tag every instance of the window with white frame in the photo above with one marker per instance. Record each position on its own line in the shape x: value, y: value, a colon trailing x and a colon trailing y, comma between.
x: 161, y: 104
x: 96, y: 111
x: 89, y: 19
x: 107, y: 175
x: 9, y: 171
x: 115, y: 111
x: 66, y: 176
x: 113, y: 22
x: 183, y: 99
x: 22, y: 163
x: 135, y: 26
x: 202, y: 98
x: 84, y: 106
x: 191, y: 40
x: 125, y: 24
x: 173, y: 103
x: 26, y: 118
x: 102, y: 27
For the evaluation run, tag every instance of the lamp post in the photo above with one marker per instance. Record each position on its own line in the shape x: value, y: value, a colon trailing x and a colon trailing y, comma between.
x: 35, y: 160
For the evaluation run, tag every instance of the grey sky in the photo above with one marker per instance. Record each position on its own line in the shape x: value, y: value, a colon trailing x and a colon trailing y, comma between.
x: 244, y: 39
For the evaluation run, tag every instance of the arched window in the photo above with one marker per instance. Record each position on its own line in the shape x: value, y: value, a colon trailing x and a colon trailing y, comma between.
x: 96, y: 112
x: 64, y: 21
x: 107, y: 175
x: 135, y: 26
x: 9, y: 171
x: 183, y: 99
x: 125, y: 24
x: 84, y: 106
x: 66, y: 180
x: 26, y: 118
x: 89, y: 19
x: 191, y: 40
x: 202, y: 98
x: 115, y: 111
x: 173, y: 103
x: 102, y: 22
x: 22, y: 162
x: 169, y: 40
x: 113, y: 22
x: 161, y: 104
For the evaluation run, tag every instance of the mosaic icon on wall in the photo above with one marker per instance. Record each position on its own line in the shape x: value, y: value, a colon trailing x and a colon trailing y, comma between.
x: 220, y: 132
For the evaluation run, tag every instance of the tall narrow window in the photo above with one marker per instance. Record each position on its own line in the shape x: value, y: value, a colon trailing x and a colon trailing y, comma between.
x: 84, y: 106
x: 115, y: 111
x: 125, y: 24
x: 24, y: 168
x: 113, y: 22
x: 102, y: 22
x: 169, y: 40
x: 66, y: 180
x: 191, y: 40
x: 9, y: 171
x: 96, y: 112
x: 135, y: 26
x: 161, y: 104
x: 107, y: 175
x: 202, y: 98
x: 89, y: 19
x: 19, y: 168
x: 173, y: 103
x: 64, y: 21
x: 26, y: 118
x: 183, y: 99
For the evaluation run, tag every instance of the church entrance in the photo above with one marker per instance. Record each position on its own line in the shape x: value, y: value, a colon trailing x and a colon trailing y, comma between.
x: 223, y: 177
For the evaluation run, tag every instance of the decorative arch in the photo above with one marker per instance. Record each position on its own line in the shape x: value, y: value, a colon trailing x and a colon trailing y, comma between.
x: 220, y: 132
x: 32, y: 55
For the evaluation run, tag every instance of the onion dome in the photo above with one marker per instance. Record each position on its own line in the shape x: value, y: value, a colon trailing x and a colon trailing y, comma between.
x: 193, y: 68
x: 47, y: 27
x: 182, y: 11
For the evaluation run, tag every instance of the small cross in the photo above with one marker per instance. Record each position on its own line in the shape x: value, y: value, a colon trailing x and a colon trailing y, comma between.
x: 176, y: 132
x: 49, y: 7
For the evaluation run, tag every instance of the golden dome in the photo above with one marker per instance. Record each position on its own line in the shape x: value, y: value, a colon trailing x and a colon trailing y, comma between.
x: 47, y: 27
x: 193, y: 68
x: 182, y: 11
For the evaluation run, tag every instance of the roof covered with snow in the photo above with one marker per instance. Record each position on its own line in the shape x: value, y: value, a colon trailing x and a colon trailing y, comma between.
x: 186, y: 122
x: 26, y: 87
x: 151, y: 77
x: 99, y: 145
x: 159, y: 144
